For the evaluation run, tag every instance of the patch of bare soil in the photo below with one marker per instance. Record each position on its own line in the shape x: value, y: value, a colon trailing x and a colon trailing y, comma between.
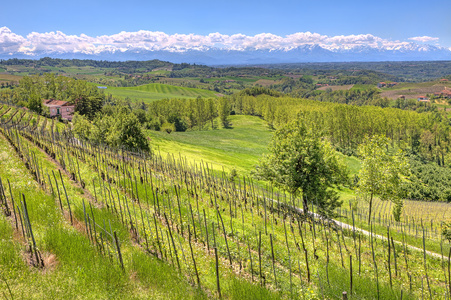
x: 412, y: 93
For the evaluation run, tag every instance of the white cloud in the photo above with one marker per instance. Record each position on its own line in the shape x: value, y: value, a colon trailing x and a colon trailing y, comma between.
x: 424, y: 39
x: 59, y: 42
x: 9, y: 41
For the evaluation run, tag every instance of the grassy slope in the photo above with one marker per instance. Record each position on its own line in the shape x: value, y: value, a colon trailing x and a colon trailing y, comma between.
x: 240, y: 147
x: 156, y: 91
x: 67, y: 251
x: 363, y: 285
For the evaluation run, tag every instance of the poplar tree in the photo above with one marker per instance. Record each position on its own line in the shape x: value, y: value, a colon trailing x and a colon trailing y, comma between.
x: 383, y: 173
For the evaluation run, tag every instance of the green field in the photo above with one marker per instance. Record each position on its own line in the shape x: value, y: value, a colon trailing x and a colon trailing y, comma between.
x: 156, y: 91
x: 239, y: 147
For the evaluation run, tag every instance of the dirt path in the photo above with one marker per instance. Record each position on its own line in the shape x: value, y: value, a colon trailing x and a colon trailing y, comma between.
x: 367, y: 233
x: 381, y: 237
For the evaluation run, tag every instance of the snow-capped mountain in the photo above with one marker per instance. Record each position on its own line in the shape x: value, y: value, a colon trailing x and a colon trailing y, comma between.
x: 219, y: 49
x: 304, y: 53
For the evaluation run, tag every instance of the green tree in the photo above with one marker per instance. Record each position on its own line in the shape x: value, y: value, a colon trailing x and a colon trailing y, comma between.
x: 88, y: 105
x: 212, y: 113
x: 35, y: 103
x: 81, y: 126
x: 382, y: 174
x: 301, y: 162
x: 224, y: 111
x: 127, y: 132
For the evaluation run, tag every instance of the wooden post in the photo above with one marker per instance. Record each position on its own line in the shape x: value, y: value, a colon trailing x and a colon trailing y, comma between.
x: 173, y: 244
x: 345, y: 296
x: 350, y: 274
x: 217, y: 272
x: 119, y: 251
x: 192, y: 255
x: 273, y: 260
x: 67, y: 198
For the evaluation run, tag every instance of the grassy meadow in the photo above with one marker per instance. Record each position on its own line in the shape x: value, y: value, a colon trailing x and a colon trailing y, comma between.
x: 239, y: 147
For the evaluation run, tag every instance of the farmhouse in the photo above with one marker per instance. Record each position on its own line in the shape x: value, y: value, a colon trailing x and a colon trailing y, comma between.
x: 381, y: 84
x: 444, y: 94
x: 61, y: 108
x: 423, y: 99
x: 391, y: 84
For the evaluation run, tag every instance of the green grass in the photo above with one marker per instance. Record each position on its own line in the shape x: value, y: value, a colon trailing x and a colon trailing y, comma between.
x: 78, y: 270
x: 246, y: 227
x: 239, y: 147
x: 156, y: 91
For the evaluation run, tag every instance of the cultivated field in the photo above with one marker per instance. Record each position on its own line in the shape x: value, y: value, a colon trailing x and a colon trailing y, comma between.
x: 413, y: 90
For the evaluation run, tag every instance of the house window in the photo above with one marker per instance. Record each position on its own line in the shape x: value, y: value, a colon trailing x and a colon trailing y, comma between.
x: 53, y: 111
x: 67, y: 109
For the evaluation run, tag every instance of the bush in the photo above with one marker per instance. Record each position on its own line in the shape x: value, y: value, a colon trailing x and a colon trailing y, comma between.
x: 168, y: 127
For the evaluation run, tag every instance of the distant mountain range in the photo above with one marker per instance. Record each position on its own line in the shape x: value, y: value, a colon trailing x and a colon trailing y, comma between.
x: 251, y: 56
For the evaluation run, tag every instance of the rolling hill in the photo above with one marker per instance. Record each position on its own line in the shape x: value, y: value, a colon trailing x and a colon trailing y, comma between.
x: 156, y: 91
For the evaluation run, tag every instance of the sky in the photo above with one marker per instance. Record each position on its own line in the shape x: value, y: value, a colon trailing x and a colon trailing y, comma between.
x: 390, y: 21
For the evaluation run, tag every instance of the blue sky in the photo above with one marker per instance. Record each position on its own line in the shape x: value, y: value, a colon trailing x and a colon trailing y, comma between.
x: 388, y: 20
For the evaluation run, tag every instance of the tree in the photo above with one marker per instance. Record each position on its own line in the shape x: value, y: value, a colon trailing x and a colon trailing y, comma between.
x: 211, y: 112
x: 81, y: 126
x: 382, y: 173
x: 88, y: 106
x: 224, y: 111
x: 300, y: 161
x: 35, y: 103
x: 128, y: 132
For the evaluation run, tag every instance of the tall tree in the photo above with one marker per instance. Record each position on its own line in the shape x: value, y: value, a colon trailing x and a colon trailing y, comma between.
x: 224, y: 111
x: 211, y: 112
x: 88, y: 105
x: 35, y: 103
x: 301, y: 162
x: 382, y: 174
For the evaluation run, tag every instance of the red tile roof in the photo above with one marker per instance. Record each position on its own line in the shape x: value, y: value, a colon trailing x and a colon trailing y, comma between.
x: 54, y: 102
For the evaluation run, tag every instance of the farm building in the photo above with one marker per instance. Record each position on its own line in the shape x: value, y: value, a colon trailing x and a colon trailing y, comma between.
x: 61, y: 108
x: 423, y: 99
x: 446, y: 93
x: 386, y: 84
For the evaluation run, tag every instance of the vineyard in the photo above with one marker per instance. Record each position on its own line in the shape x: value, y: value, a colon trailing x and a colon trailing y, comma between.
x: 139, y: 225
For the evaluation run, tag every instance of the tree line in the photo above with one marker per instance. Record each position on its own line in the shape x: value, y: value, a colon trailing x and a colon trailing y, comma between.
x: 426, y: 134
